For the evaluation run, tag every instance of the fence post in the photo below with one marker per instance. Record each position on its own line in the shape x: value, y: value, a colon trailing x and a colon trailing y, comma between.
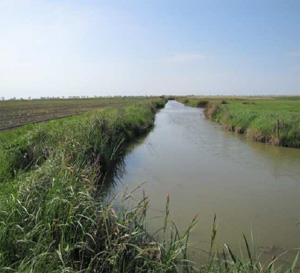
x: 277, y: 128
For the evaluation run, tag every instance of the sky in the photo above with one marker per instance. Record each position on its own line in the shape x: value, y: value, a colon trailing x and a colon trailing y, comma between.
x: 149, y: 47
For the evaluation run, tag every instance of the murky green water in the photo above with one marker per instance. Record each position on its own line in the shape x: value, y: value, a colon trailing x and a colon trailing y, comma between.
x: 206, y: 170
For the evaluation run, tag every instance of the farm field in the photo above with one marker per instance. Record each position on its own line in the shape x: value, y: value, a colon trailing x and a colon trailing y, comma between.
x: 16, y: 113
x: 274, y: 120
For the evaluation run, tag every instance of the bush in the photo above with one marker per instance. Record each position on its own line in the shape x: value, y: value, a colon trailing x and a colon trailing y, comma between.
x: 202, y: 104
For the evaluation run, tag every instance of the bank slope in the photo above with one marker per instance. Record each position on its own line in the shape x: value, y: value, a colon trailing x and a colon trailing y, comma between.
x: 273, y: 120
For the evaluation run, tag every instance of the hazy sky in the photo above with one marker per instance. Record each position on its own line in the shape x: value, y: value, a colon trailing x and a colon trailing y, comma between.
x: 62, y: 48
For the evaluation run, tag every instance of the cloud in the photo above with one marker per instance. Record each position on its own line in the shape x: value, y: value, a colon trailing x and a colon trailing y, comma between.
x: 185, y: 58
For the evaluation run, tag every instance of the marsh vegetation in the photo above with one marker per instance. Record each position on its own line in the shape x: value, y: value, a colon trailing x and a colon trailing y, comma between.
x: 273, y: 120
x: 55, y: 215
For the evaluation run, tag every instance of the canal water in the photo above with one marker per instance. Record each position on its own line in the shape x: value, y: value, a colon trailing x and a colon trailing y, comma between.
x: 251, y: 187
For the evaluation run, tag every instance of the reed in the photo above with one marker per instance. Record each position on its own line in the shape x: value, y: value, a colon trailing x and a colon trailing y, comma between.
x: 54, y: 214
x: 55, y: 218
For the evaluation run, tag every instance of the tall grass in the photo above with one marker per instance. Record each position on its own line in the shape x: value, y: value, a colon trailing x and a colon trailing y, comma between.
x: 54, y: 218
x: 89, y: 134
x: 55, y: 221
x: 55, y: 225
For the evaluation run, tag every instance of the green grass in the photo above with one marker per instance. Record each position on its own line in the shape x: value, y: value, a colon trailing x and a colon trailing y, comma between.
x: 54, y: 216
x: 258, y: 118
x: 16, y: 113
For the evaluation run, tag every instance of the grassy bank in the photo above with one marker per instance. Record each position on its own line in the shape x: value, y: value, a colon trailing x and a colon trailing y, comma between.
x: 54, y: 217
x: 274, y: 120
